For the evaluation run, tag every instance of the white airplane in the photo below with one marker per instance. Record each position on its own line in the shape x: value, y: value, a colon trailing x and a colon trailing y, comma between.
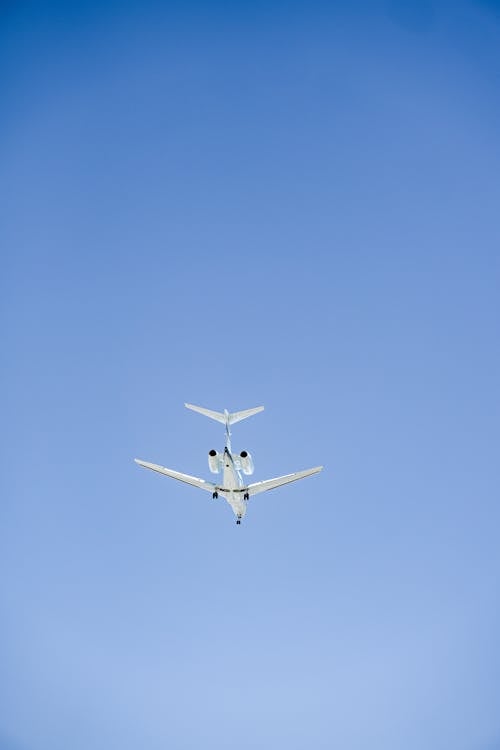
x: 232, y: 487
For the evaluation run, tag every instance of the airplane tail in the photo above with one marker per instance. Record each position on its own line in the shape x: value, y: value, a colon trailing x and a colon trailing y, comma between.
x: 225, y: 417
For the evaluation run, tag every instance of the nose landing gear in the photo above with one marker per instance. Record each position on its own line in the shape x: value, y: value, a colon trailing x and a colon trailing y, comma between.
x: 238, y: 520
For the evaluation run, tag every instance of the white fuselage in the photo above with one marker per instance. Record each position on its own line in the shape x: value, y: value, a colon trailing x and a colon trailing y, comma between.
x: 232, y: 484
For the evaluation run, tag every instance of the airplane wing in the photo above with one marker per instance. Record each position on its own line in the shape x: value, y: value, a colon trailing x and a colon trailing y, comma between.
x: 194, y: 481
x: 270, y: 484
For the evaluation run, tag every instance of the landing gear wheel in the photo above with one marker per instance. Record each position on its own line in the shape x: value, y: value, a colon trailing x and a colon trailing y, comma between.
x: 246, y: 496
x: 215, y: 495
x: 238, y: 521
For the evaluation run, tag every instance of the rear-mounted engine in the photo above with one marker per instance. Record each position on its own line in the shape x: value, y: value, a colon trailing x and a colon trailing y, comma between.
x: 214, y: 461
x: 246, y: 462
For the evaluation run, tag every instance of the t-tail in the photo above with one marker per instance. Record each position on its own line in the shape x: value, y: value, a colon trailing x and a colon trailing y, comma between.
x: 226, y: 418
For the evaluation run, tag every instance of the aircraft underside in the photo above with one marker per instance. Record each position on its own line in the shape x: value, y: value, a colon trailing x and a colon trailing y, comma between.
x: 232, y: 486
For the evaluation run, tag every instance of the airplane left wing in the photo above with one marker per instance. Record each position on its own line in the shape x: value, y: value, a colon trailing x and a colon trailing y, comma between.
x: 270, y: 484
x: 187, y: 478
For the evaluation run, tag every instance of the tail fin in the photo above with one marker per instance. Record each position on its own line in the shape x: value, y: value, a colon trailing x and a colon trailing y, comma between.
x: 225, y: 417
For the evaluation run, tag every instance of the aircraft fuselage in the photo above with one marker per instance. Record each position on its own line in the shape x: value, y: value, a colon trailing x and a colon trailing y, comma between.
x: 231, y: 488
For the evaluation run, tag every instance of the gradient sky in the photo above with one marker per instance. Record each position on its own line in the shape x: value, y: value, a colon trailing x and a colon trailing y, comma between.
x: 282, y: 203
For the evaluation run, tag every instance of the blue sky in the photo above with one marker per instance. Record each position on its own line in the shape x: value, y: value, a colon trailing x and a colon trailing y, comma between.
x: 286, y: 203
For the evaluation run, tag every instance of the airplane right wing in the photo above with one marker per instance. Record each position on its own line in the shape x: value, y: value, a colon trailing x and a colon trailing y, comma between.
x: 270, y: 484
x: 187, y: 478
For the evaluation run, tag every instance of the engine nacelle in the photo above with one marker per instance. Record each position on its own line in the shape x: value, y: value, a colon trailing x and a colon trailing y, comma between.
x: 214, y: 461
x: 246, y: 462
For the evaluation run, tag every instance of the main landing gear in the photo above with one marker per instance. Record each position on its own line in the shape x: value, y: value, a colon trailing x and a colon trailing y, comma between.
x: 215, y: 495
x: 246, y: 496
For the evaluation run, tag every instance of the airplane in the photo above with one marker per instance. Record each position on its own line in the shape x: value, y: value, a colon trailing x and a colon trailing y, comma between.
x: 232, y: 486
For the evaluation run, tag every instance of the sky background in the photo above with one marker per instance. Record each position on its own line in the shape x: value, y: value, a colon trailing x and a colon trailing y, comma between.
x: 282, y: 203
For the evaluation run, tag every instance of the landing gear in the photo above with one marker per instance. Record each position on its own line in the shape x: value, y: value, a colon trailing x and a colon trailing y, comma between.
x: 238, y: 521
x: 246, y: 496
x: 215, y: 495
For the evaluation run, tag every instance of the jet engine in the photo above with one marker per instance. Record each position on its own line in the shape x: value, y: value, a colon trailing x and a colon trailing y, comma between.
x: 246, y: 462
x: 214, y: 461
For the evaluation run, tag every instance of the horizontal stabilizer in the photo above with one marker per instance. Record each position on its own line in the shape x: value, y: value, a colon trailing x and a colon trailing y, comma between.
x: 187, y: 478
x: 271, y: 484
x: 237, y: 416
x: 217, y: 415
x: 225, y: 417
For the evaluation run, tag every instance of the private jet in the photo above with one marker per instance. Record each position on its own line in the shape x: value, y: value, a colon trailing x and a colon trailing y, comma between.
x: 232, y: 487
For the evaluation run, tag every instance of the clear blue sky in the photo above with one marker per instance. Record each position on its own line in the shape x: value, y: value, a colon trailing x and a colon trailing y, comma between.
x: 282, y: 203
